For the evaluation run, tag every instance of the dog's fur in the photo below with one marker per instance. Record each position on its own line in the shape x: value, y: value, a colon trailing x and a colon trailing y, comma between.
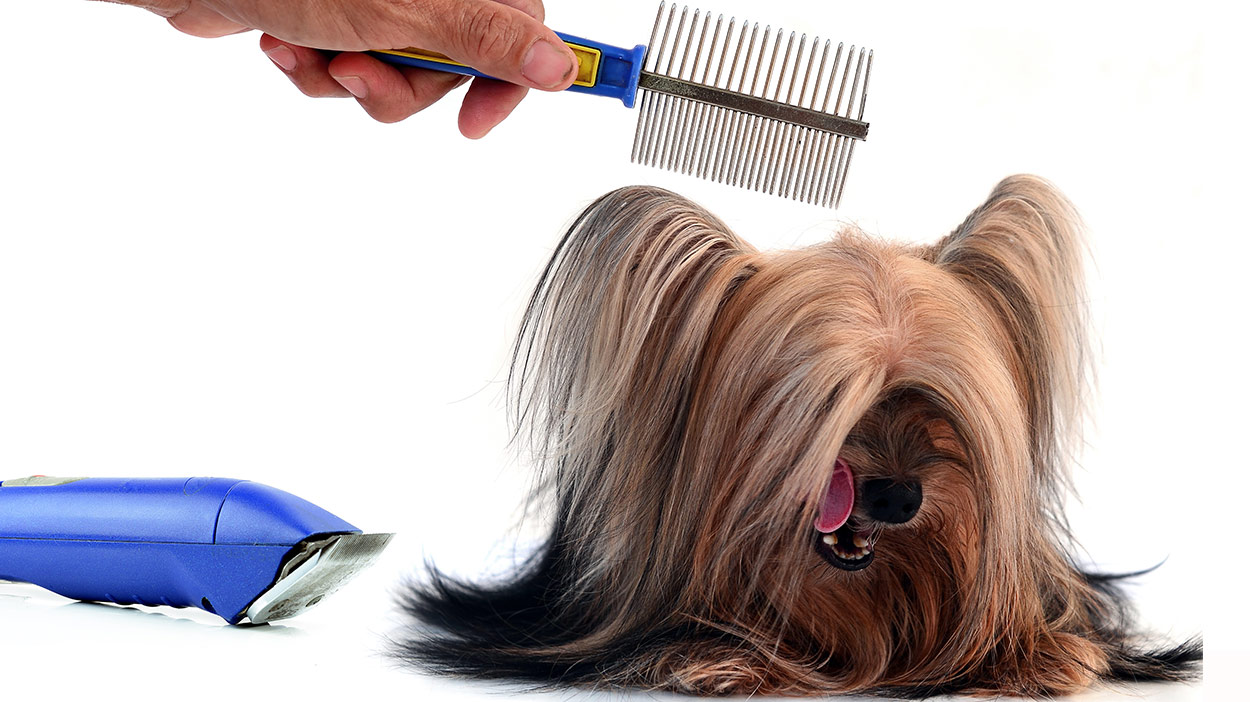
x: 690, y: 395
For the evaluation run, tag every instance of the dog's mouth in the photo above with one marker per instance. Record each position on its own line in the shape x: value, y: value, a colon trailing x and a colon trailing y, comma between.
x: 839, y: 540
x: 847, y: 547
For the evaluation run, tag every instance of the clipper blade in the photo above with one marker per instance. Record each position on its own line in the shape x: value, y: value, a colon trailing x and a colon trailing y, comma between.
x: 751, y: 108
x: 317, y: 569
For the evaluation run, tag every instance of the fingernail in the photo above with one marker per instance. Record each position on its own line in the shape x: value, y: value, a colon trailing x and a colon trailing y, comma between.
x: 354, y: 85
x: 546, y: 65
x: 284, y: 57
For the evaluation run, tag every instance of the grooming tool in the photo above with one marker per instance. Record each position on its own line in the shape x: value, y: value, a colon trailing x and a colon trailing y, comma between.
x: 727, y: 102
x: 238, y: 549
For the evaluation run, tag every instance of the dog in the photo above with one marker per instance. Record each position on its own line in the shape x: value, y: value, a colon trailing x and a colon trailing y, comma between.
x: 838, y: 469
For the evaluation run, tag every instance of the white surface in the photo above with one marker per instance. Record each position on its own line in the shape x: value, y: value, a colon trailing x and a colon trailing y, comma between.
x: 202, y: 272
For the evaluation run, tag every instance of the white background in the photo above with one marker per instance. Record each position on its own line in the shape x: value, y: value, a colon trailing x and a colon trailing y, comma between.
x: 203, y: 272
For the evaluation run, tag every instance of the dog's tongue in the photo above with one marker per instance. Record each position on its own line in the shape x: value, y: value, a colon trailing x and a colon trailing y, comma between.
x: 835, y: 509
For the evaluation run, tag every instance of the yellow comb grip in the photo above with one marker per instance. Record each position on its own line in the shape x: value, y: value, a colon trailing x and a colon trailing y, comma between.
x: 588, y: 59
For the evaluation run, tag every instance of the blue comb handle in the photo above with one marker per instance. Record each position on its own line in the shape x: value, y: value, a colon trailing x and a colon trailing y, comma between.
x: 603, y: 69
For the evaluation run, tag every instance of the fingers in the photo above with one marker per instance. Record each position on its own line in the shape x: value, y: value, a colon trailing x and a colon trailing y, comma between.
x: 503, y: 38
x: 199, y: 21
x: 307, y: 68
x: 486, y: 104
x: 387, y: 93
x: 496, y: 38
x: 533, y: 8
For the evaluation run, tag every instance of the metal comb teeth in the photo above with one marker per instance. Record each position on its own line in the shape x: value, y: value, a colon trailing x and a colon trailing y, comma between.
x: 730, y: 103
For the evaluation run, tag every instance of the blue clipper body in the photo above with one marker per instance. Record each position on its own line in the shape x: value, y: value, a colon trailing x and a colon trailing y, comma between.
x: 217, y: 544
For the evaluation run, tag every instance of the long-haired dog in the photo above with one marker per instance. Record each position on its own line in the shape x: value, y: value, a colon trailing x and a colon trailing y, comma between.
x: 829, y: 470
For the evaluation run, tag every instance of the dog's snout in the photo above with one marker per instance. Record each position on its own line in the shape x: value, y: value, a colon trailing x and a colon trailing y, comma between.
x: 887, y: 500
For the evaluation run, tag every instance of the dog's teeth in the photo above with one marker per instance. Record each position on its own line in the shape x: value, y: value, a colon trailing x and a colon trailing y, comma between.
x: 846, y: 552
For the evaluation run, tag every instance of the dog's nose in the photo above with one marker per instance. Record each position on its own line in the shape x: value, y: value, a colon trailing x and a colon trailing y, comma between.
x: 886, y: 500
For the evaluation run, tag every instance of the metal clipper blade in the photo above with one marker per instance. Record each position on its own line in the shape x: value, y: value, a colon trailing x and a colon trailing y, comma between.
x: 317, y: 568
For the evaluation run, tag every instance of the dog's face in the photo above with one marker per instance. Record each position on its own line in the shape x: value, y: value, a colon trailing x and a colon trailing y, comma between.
x: 855, y: 452
x: 836, y: 469
x: 899, y: 453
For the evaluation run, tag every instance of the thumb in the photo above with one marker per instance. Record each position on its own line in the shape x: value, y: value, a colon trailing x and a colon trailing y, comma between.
x: 497, y: 39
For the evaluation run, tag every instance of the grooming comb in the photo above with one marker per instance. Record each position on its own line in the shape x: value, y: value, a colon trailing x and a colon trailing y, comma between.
x: 727, y: 102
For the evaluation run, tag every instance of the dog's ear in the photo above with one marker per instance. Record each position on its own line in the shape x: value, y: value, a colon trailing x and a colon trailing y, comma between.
x: 607, y: 354
x: 1021, y: 254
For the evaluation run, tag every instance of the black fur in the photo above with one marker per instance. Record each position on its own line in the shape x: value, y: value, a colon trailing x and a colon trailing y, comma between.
x: 468, y: 630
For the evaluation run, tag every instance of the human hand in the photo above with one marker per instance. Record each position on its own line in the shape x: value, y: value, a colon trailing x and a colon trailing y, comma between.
x: 503, y: 38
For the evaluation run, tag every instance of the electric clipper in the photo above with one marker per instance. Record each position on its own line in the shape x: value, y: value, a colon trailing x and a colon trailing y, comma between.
x: 238, y: 549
